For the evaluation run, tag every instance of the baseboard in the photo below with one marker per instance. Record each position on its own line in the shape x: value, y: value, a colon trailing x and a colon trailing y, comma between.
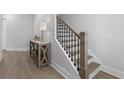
x: 17, y: 49
x: 113, y: 71
x: 61, y: 70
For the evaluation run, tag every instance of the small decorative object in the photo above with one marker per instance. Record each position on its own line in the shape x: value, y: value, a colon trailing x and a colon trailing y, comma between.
x: 43, y: 28
x: 36, y: 38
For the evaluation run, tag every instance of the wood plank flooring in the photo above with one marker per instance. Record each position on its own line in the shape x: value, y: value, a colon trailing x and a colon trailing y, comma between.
x: 104, y: 75
x: 19, y: 65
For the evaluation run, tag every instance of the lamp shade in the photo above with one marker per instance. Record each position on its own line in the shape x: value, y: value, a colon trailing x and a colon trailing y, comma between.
x: 43, y: 26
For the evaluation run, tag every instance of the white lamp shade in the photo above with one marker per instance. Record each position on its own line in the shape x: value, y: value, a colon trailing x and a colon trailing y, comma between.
x: 43, y: 26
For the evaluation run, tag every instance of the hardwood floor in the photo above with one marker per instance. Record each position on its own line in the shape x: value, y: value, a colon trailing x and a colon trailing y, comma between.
x: 19, y: 65
x: 104, y: 75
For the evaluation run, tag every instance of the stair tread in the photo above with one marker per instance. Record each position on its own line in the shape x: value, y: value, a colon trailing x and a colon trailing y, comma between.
x: 92, y: 67
x: 89, y: 57
x: 104, y: 75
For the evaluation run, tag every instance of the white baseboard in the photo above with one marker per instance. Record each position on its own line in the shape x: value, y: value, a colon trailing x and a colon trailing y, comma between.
x: 61, y: 70
x: 17, y: 49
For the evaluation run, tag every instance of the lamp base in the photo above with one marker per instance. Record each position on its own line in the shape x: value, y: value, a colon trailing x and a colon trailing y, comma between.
x: 42, y: 37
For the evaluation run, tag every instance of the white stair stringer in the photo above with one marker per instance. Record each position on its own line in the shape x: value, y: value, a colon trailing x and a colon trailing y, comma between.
x: 69, y: 60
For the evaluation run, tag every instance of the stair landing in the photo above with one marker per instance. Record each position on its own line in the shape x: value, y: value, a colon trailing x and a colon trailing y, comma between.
x: 104, y: 75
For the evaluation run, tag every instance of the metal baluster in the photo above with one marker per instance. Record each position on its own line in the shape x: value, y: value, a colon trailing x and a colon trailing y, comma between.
x: 74, y: 50
x: 62, y: 34
x: 72, y: 46
x: 60, y: 28
x: 57, y: 28
x: 64, y: 37
x: 69, y: 49
x: 66, y: 29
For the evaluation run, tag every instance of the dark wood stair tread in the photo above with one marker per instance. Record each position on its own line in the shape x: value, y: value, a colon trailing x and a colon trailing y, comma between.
x: 92, y: 67
x: 89, y: 57
x: 104, y: 75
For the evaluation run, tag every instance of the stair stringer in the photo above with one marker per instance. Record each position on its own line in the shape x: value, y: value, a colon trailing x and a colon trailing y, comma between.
x: 71, y: 72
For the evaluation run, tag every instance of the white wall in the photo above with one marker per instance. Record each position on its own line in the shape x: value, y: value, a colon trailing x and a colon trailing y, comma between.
x: 105, y: 34
x: 0, y: 37
x: 38, y: 19
x: 58, y: 60
x: 18, y: 31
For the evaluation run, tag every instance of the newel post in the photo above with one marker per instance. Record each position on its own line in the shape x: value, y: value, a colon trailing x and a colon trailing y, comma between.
x: 83, y: 56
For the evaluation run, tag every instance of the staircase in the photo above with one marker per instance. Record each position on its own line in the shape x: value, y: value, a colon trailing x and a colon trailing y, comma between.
x: 75, y: 46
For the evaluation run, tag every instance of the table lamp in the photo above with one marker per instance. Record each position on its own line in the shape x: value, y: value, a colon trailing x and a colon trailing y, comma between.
x: 43, y: 28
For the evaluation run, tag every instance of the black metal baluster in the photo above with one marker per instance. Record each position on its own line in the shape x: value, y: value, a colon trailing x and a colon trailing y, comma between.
x: 74, y: 50
x: 64, y: 37
x: 66, y: 40
x: 62, y: 34
x: 69, y: 44
x: 72, y: 46
x: 57, y: 28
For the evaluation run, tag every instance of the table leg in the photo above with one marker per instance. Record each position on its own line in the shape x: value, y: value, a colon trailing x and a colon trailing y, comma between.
x: 39, y: 56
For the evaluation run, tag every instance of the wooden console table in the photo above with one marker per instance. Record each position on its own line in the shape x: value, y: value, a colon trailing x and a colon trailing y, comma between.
x: 42, y: 51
